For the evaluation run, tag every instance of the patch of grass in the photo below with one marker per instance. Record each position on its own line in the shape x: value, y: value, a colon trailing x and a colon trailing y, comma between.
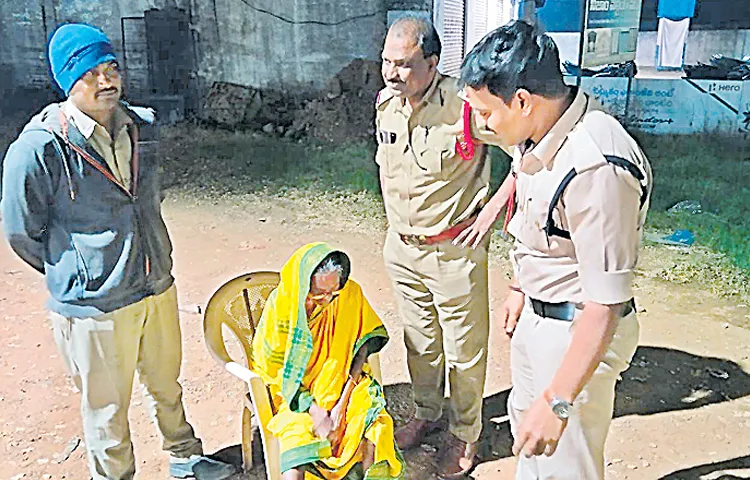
x: 247, y: 162
x: 714, y: 271
x: 715, y: 171
x: 342, y: 181
x: 211, y: 163
x: 221, y: 162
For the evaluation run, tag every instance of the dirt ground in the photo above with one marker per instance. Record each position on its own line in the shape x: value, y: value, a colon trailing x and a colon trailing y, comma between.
x: 683, y: 410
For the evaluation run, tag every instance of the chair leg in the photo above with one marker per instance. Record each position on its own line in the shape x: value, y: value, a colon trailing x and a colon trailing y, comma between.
x: 247, y: 440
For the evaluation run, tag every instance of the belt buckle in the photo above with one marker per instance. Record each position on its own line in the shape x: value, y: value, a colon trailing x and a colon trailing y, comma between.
x: 414, y: 240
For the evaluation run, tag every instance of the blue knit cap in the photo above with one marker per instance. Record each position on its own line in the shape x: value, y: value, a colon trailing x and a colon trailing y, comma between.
x: 74, y: 49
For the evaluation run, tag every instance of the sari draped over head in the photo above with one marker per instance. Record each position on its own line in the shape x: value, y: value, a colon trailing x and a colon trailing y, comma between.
x: 303, y: 360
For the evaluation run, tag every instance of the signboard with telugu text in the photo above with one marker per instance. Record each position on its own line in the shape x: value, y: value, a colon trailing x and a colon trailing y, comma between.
x: 611, y: 31
x: 674, y: 106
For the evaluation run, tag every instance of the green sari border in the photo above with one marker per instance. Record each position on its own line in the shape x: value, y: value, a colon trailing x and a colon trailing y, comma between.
x: 379, y: 333
x: 377, y: 403
x: 305, y: 454
x: 300, y: 343
x: 382, y: 471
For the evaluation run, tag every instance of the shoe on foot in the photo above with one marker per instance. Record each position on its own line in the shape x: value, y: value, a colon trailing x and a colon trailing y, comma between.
x: 457, y: 459
x: 200, y: 468
x: 411, y: 434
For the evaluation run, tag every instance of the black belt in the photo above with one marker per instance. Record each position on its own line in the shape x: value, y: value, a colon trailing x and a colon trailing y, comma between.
x: 566, y: 311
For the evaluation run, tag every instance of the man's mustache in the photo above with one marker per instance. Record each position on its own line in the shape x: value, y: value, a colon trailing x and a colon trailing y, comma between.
x: 106, y: 91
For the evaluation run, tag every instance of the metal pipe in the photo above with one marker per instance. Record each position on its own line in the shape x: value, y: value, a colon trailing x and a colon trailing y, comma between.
x: 124, y: 49
x: 44, y: 24
x: 584, y: 7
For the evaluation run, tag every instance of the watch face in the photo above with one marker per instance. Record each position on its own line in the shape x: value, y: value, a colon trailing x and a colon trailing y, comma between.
x: 561, y: 409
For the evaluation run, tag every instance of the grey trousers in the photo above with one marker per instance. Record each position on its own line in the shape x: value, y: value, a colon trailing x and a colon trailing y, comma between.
x: 102, y: 355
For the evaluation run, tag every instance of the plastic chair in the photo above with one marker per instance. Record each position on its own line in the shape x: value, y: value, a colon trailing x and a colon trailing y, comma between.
x: 238, y: 305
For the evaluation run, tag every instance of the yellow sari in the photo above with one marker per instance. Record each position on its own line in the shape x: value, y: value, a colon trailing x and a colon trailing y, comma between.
x: 303, y: 360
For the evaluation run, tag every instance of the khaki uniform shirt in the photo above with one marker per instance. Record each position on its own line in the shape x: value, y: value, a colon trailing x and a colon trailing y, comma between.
x: 427, y: 186
x: 600, y: 208
x: 118, y: 152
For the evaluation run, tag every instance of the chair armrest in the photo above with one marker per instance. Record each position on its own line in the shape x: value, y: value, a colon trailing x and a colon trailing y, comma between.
x: 241, y: 372
x: 374, y: 361
x: 261, y: 405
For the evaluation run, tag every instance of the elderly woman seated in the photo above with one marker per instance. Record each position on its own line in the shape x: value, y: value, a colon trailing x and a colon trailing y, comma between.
x: 311, y: 348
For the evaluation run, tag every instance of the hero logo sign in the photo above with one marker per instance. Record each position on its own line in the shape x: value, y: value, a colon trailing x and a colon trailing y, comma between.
x: 713, y: 87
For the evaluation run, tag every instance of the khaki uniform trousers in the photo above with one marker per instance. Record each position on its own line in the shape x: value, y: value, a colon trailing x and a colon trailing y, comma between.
x: 441, y: 291
x: 102, y: 354
x: 537, y: 349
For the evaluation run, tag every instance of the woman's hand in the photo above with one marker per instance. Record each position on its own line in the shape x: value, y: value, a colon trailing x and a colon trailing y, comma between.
x: 322, y: 421
x: 337, y: 414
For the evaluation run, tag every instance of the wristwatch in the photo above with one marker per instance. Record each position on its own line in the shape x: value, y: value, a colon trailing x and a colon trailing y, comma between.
x: 560, y: 407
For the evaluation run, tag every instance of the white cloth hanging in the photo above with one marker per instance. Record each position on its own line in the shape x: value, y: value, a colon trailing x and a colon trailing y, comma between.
x: 670, y: 42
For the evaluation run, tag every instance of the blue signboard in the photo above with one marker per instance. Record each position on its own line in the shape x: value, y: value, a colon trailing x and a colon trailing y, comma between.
x: 611, y: 33
x: 614, y: 14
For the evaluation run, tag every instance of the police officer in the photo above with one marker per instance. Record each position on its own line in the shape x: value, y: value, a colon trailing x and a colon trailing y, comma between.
x: 435, y: 182
x: 583, y: 186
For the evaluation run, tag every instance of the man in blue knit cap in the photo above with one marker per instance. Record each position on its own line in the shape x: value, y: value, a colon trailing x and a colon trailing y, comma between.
x: 81, y: 204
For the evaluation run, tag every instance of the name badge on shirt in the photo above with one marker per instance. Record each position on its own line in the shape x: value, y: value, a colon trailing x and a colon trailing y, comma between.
x: 387, y: 138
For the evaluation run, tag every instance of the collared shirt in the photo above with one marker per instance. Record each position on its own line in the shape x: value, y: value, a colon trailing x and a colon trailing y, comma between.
x: 600, y: 208
x: 116, y: 153
x: 427, y: 186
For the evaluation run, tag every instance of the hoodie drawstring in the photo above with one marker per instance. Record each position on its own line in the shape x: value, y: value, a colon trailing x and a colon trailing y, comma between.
x: 66, y: 167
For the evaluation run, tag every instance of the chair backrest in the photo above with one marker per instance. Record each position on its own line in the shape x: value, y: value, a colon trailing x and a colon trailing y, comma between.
x: 238, y: 304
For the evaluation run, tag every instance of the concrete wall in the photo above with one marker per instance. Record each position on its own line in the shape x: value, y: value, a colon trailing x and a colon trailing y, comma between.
x: 25, y: 26
x: 701, y: 45
x: 262, y: 51
x: 232, y: 41
x: 22, y: 39
x: 411, y: 5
